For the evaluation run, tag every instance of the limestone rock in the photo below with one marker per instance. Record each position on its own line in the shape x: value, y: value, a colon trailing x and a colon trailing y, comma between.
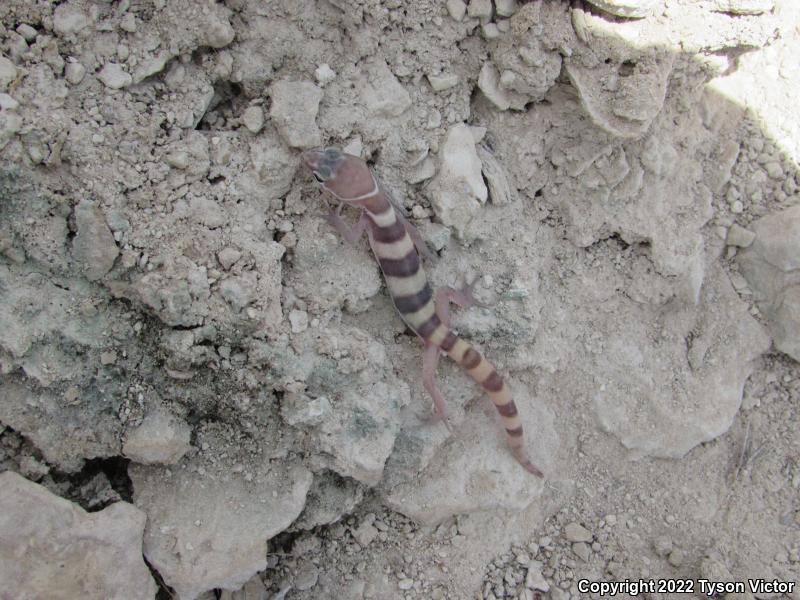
x: 622, y: 95
x: 66, y: 435
x: 294, y: 112
x: 771, y: 266
x: 489, y: 84
x: 330, y: 498
x: 654, y: 405
x: 69, y: 18
x: 210, y: 531
x: 474, y: 470
x: 8, y: 73
x: 631, y: 9
x: 457, y: 9
x: 744, y: 7
x: 161, y: 438
x: 383, y: 95
x: 114, y: 76
x: 458, y: 191
x: 253, y: 119
x: 52, y: 548
x: 93, y: 247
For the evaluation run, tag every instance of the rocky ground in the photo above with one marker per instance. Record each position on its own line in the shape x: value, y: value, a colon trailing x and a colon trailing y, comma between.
x: 206, y: 393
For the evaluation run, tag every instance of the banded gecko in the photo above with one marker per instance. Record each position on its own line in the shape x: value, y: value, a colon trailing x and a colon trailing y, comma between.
x: 397, y: 246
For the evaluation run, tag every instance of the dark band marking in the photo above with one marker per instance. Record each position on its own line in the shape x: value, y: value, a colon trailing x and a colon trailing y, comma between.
x: 472, y: 359
x: 412, y: 303
x: 388, y: 234
x: 515, y: 432
x: 493, y: 383
x: 449, y: 341
x: 508, y: 410
x: 428, y: 327
x: 400, y: 267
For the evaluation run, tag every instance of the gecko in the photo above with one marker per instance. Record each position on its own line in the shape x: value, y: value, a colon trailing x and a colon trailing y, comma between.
x: 398, y: 247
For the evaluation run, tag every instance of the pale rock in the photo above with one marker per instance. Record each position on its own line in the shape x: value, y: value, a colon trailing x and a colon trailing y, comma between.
x: 128, y: 23
x: 382, y: 93
x: 422, y: 171
x: 654, y: 403
x: 113, y: 76
x: 324, y: 74
x: 227, y: 257
x: 294, y: 111
x: 457, y: 9
x: 358, y: 437
x: 73, y: 554
x: 65, y: 435
x: 575, y: 532
x: 205, y: 211
x: 365, y: 534
x: 625, y: 94
x: 239, y: 291
x: 253, y: 118
x: 10, y: 124
x: 490, y: 31
x: 496, y: 179
x: 298, y: 320
x: 27, y: 32
x: 7, y: 102
x: 503, y: 99
x: 744, y: 7
x: 153, y: 64
x: 458, y: 191
x: 442, y: 82
x: 480, y: 9
x: 161, y: 438
x: 216, y: 31
x: 534, y: 580
x: 739, y: 236
x: 206, y: 532
x: 581, y: 550
x: 471, y: 472
x: 631, y: 9
x: 68, y: 19
x: 94, y: 247
x: 330, y: 498
x: 299, y: 409
x: 306, y: 576
x: 505, y: 8
x: 8, y: 73
x: 771, y: 266
x: 74, y: 72
x: 178, y: 159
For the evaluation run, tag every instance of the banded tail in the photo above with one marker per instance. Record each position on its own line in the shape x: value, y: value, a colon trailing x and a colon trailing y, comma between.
x: 485, y: 375
x: 396, y: 245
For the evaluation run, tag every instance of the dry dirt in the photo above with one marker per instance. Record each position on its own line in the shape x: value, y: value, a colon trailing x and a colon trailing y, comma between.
x: 192, y: 362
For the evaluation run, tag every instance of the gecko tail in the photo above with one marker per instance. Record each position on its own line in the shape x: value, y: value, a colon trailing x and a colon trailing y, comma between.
x: 485, y: 375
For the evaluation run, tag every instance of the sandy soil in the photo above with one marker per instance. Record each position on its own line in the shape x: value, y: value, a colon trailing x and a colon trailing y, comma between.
x: 197, y: 372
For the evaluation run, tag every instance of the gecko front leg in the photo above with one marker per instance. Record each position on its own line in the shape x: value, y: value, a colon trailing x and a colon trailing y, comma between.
x: 350, y: 234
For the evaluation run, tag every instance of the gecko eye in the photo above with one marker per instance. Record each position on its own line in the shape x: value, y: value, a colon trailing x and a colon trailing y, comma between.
x: 322, y: 173
x: 332, y: 153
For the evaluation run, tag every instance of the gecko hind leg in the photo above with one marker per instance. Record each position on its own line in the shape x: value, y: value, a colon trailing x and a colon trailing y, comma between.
x: 430, y: 359
x: 444, y: 296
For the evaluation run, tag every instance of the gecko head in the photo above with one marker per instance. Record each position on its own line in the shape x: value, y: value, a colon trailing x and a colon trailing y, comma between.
x: 324, y: 163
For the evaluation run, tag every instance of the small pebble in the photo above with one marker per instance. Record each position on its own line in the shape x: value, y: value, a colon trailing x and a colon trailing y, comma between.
x: 299, y: 322
x: 577, y: 533
x: 74, y: 73
x: 324, y: 74
x: 456, y: 9
x: 739, y: 236
x: 253, y: 119
x: 405, y: 584
x: 108, y: 358
x: 27, y: 32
